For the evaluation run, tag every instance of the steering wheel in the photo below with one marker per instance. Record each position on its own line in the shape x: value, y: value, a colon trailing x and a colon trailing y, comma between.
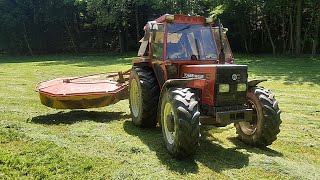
x: 194, y: 57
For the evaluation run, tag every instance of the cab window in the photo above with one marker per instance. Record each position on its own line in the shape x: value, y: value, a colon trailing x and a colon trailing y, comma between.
x: 158, y: 37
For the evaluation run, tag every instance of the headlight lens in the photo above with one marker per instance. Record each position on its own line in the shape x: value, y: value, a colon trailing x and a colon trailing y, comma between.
x: 224, y: 87
x: 241, y: 87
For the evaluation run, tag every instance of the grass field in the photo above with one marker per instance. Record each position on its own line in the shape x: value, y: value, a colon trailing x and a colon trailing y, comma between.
x: 38, y: 142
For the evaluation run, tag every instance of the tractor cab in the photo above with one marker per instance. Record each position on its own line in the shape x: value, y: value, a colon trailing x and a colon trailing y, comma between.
x: 183, y: 38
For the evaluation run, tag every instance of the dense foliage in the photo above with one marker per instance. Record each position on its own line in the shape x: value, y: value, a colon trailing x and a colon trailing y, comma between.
x: 77, y: 26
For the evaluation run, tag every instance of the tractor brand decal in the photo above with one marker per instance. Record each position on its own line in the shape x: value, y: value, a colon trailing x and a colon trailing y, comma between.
x: 191, y: 75
x: 235, y: 76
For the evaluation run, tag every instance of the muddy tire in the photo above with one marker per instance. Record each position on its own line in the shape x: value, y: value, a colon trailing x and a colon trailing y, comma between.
x: 180, y: 121
x: 263, y: 130
x: 144, y: 96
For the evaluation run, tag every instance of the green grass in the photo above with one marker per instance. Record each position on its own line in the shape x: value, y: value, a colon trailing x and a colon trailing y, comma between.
x: 38, y: 142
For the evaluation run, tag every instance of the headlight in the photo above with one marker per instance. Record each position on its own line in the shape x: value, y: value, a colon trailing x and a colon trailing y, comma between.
x: 224, y: 87
x: 242, y: 87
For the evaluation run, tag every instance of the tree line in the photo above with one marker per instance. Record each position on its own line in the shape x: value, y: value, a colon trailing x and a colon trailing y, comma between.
x: 31, y: 27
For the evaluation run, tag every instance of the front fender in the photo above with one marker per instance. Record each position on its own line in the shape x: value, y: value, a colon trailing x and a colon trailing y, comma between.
x: 254, y: 82
x: 175, y: 83
x: 191, y: 83
x: 182, y: 83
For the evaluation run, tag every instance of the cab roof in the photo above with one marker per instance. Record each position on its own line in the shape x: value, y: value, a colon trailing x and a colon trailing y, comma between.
x: 181, y: 19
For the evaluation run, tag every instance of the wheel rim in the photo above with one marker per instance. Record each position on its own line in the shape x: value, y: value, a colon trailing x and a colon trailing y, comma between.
x: 170, y: 135
x: 135, y: 98
x: 250, y: 128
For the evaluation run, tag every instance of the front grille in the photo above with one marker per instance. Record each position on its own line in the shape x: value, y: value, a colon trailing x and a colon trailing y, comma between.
x: 232, y: 75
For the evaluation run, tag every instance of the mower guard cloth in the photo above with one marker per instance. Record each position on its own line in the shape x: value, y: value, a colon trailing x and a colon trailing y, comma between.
x: 84, y: 92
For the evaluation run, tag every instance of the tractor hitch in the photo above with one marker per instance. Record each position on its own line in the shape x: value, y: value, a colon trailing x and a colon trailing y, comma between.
x: 235, y: 116
x: 224, y: 116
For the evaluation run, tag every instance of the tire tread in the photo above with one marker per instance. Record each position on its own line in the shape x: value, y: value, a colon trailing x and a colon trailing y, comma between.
x: 150, y: 92
x: 271, y: 119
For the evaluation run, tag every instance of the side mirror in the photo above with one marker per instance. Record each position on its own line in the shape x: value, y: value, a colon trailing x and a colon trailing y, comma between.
x: 152, y: 25
x: 209, y: 20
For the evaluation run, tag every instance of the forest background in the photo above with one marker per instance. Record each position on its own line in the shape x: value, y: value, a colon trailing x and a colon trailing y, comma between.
x: 29, y: 27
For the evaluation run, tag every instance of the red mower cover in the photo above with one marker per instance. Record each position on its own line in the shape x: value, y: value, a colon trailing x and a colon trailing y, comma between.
x: 84, y: 92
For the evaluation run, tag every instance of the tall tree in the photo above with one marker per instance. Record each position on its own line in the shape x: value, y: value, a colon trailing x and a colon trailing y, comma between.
x: 298, y: 26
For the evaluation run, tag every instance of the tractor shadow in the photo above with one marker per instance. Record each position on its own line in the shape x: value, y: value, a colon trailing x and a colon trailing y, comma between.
x: 209, y: 154
x: 265, y: 150
x: 238, y: 144
x: 72, y: 117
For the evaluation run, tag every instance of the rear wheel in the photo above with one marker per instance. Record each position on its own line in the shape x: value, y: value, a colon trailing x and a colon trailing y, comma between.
x: 180, y: 121
x: 144, y: 96
x: 264, y: 127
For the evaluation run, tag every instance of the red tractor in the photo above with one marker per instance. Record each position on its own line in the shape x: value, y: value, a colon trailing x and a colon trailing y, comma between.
x: 185, y: 78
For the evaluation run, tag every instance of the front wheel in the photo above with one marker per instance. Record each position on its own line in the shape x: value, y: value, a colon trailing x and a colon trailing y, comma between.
x: 264, y: 127
x: 180, y: 121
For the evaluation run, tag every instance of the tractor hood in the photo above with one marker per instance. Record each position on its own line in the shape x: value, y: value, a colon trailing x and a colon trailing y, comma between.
x: 226, y: 72
x: 233, y: 78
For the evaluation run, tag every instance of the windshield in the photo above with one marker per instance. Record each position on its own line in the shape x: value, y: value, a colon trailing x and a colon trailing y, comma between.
x: 195, y: 42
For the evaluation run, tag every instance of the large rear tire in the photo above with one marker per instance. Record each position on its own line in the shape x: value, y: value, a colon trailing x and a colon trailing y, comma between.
x: 180, y: 121
x: 265, y: 124
x: 144, y: 96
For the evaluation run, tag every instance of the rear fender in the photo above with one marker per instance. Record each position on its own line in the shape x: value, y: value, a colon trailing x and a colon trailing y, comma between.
x: 255, y: 82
